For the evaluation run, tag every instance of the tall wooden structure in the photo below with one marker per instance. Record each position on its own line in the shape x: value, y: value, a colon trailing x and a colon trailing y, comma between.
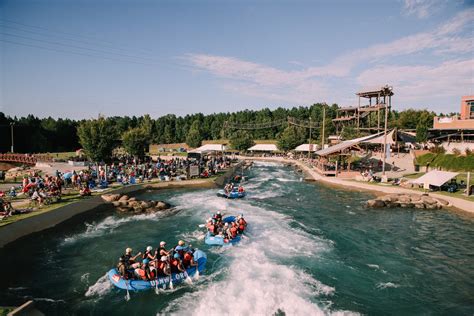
x: 366, y: 117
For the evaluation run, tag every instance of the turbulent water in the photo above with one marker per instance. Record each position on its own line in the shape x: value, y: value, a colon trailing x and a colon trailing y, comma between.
x: 310, y: 250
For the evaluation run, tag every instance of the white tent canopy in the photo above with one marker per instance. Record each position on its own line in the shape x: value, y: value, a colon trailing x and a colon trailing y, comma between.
x: 264, y: 147
x: 209, y: 148
x: 435, y: 178
x: 306, y: 147
x: 380, y: 139
x: 346, y: 144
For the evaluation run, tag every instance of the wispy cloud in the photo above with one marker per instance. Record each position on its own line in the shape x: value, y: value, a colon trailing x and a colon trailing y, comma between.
x: 454, y: 77
x: 312, y: 83
x: 422, y: 8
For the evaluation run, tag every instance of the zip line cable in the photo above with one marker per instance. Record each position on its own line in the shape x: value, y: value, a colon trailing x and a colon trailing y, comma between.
x: 93, y: 39
x: 73, y: 46
x: 64, y: 38
x: 75, y: 53
x: 289, y: 120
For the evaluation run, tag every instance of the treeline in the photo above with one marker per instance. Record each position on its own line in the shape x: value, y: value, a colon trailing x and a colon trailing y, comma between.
x: 35, y: 135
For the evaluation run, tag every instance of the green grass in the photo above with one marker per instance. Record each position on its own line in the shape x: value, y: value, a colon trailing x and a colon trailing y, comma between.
x: 447, y: 161
x: 4, y: 310
x: 61, y: 155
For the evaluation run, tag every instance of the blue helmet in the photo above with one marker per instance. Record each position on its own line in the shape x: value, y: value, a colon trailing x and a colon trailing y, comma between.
x: 146, y: 261
x: 177, y: 256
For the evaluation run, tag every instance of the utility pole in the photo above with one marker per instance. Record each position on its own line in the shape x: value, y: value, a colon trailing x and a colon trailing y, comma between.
x: 385, y: 134
x: 310, y: 129
x: 11, y: 127
x: 324, y: 126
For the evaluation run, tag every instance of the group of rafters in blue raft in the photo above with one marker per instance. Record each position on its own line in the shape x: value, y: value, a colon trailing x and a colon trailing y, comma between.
x: 163, y: 268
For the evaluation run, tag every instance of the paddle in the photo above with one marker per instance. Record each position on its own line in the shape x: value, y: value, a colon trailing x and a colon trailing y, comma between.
x: 202, y: 225
x: 196, y: 275
x: 188, y: 278
x: 156, y: 283
x: 127, y: 297
x: 171, y: 282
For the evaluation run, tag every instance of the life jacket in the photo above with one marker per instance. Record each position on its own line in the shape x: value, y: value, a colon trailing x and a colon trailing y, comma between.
x: 145, y: 254
x: 174, y: 265
x: 187, y: 259
x: 211, y: 228
x: 141, y: 273
x: 233, y: 232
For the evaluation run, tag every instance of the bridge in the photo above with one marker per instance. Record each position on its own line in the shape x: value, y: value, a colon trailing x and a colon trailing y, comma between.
x: 23, y: 158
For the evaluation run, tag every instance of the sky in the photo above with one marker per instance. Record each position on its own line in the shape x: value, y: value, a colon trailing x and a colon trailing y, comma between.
x: 78, y: 59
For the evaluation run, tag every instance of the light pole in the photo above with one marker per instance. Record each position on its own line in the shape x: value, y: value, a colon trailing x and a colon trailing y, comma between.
x: 11, y: 127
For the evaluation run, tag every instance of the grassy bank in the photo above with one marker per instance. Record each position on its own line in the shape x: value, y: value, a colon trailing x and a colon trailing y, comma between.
x: 447, y: 162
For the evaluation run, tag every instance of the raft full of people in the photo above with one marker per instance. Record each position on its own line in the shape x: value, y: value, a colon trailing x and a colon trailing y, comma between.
x: 231, y: 191
x: 160, y: 268
x: 223, y: 231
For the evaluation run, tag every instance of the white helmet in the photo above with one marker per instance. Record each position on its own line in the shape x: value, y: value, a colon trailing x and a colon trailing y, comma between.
x: 226, y: 224
x: 164, y: 258
x: 162, y: 243
x: 128, y: 250
x: 149, y: 248
x: 219, y: 212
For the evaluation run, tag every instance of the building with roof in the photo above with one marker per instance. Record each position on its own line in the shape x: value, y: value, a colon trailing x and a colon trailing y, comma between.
x: 269, y: 148
x: 457, y: 131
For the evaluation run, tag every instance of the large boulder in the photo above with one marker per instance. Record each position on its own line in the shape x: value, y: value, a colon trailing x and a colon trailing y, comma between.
x: 124, y: 198
x: 442, y: 201
x: 404, y: 199
x: 428, y: 200
x: 375, y: 203
x: 110, y: 197
x: 162, y: 205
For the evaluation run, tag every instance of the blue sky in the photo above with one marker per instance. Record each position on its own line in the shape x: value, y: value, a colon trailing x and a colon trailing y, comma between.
x: 78, y: 59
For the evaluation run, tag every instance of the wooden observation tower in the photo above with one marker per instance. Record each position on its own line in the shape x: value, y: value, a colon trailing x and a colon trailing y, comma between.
x: 366, y: 117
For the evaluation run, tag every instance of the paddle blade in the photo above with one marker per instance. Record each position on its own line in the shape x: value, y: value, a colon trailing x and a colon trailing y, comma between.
x: 196, y: 276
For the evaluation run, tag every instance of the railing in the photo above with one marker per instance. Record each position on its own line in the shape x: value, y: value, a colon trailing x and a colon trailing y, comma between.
x: 19, y: 158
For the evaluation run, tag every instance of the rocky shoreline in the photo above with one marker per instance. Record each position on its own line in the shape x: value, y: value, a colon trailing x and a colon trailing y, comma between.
x: 421, y: 201
x: 126, y: 204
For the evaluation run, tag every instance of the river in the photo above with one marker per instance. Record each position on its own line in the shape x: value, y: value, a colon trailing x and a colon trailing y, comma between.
x: 310, y: 250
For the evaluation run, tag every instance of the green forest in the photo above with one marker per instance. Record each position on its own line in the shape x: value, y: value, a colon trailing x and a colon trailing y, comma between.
x: 39, y: 135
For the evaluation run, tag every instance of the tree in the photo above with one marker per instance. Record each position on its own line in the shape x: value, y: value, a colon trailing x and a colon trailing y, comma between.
x: 194, y: 137
x: 291, y: 137
x: 98, y: 138
x: 241, y: 140
x: 424, y: 122
x: 135, y: 142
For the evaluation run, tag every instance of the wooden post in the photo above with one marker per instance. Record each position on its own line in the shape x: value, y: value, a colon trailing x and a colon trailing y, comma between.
x: 468, y: 184
x: 358, y: 114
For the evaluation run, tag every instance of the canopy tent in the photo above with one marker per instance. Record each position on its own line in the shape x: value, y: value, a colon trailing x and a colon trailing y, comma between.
x: 345, y: 144
x: 380, y: 139
x: 209, y: 148
x: 306, y: 148
x: 263, y: 147
x: 435, y: 178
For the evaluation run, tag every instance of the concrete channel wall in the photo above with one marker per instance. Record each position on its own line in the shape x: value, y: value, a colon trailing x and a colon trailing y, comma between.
x: 229, y: 174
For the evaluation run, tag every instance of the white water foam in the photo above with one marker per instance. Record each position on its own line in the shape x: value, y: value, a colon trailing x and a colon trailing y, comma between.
x: 100, y: 288
x: 254, y: 282
x: 109, y: 224
x: 387, y: 285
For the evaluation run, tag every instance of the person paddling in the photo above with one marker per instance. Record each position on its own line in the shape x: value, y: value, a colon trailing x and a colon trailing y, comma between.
x: 176, y: 264
x: 162, y: 250
x: 130, y: 260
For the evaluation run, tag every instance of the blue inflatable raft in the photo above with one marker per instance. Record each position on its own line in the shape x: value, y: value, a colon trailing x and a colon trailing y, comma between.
x: 231, y: 195
x: 141, y: 285
x: 219, y: 241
